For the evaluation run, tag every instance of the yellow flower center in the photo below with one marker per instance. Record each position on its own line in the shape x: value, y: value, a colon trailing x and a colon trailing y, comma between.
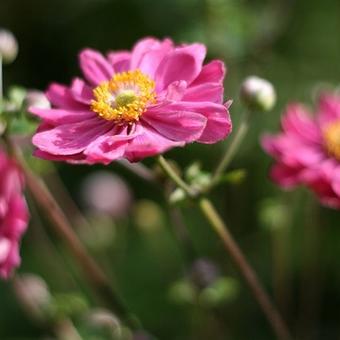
x: 332, y: 139
x: 124, y: 98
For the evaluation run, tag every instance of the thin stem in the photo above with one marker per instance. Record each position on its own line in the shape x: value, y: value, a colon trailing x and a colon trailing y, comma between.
x: 139, y: 170
x: 236, y: 254
x: 233, y: 147
x: 245, y: 269
x: 63, y: 228
x: 175, y: 177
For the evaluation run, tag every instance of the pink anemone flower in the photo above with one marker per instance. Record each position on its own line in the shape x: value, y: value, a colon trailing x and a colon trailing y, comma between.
x: 307, y: 151
x: 134, y: 104
x: 14, y: 215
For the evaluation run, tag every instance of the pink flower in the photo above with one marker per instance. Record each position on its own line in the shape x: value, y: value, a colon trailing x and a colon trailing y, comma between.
x: 13, y: 215
x: 134, y: 104
x: 307, y: 151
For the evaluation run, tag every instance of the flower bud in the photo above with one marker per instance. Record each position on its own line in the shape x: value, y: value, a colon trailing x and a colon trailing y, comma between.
x: 102, y: 318
x: 182, y: 292
x: 204, y: 272
x: 258, y: 94
x: 273, y: 214
x: 8, y: 46
x: 33, y: 294
x: 36, y: 99
x: 107, y: 193
x: 222, y: 291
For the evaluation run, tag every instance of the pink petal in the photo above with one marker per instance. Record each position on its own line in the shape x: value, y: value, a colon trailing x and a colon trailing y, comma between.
x: 335, y: 181
x: 213, y: 72
x: 56, y: 116
x: 175, y: 91
x: 329, y: 109
x: 284, y: 176
x: 16, y: 221
x: 218, y: 122
x: 175, y: 125
x: 212, y: 92
x: 298, y: 122
x: 151, y: 59
x: 119, y: 60
x: 148, y: 143
x: 5, y: 248
x: 183, y: 63
x: 95, y: 67
x: 292, y: 151
x: 81, y: 91
x: 12, y: 261
x: 61, y: 97
x: 70, y: 139
x: 218, y: 126
x: 72, y: 159
x: 112, y: 145
x: 143, y: 47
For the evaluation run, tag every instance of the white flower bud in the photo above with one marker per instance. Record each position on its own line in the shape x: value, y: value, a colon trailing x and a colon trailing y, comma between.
x: 33, y: 294
x: 258, y: 94
x: 8, y: 46
x: 37, y: 99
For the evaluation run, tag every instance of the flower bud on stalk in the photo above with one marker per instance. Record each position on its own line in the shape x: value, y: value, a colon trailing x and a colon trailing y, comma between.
x: 8, y: 46
x: 258, y: 94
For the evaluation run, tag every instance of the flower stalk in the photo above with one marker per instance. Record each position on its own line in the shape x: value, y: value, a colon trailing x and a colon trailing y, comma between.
x: 94, y: 274
x: 217, y: 224
x: 167, y: 168
x: 245, y: 269
x: 233, y: 147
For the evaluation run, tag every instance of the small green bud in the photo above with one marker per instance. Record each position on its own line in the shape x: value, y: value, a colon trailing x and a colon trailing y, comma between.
x: 258, y: 94
x: 193, y: 171
x: 8, y: 46
x: 234, y: 177
x: 273, y: 214
x: 221, y: 291
x: 183, y: 292
x: 177, y: 196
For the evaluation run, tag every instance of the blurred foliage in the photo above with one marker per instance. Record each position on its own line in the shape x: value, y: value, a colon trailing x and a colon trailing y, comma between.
x: 294, y: 44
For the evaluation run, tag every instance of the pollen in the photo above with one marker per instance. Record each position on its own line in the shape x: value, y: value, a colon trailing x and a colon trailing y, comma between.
x: 124, y: 98
x: 332, y: 139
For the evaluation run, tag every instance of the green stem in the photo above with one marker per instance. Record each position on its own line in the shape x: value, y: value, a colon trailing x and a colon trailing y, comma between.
x: 233, y: 147
x: 214, y: 219
x: 263, y: 299
x: 175, y: 177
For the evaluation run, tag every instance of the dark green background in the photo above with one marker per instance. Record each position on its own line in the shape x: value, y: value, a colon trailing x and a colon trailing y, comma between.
x: 296, y: 45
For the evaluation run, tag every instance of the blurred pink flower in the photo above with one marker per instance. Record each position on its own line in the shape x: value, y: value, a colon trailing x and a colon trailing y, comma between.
x: 134, y: 104
x: 13, y: 215
x: 307, y: 151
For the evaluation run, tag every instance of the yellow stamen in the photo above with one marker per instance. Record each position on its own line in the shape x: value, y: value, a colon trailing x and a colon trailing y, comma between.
x: 124, y: 98
x: 332, y: 139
